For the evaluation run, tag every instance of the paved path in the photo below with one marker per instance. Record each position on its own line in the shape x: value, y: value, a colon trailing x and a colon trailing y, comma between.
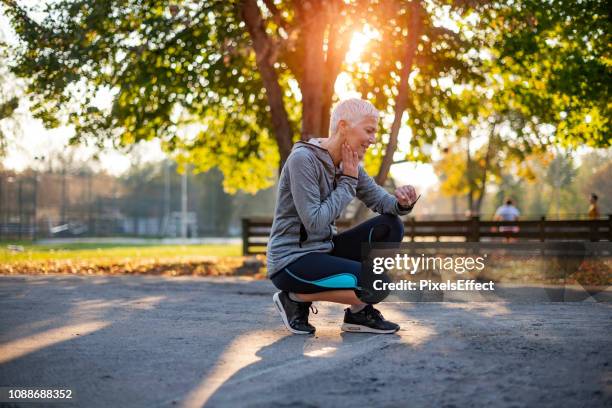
x: 147, y: 341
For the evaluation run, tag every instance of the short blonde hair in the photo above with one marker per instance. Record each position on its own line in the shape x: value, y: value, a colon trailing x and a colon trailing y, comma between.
x: 351, y: 110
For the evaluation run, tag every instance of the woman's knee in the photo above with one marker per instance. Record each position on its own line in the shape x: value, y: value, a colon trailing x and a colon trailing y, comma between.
x: 394, y: 228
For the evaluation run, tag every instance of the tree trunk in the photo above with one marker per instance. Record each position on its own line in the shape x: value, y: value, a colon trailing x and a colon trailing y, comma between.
x: 401, y: 100
x: 337, y: 46
x: 320, y: 67
x: 483, y: 182
x: 312, y: 13
x: 470, y: 194
x: 265, y: 57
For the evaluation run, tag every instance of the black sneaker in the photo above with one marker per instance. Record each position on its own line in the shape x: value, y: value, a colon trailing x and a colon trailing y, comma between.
x: 368, y: 320
x: 294, y: 314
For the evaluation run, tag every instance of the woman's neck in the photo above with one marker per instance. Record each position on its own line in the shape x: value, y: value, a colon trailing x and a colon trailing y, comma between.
x: 334, y: 147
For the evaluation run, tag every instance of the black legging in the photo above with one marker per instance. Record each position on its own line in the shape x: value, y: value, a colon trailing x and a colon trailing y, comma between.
x: 342, y: 267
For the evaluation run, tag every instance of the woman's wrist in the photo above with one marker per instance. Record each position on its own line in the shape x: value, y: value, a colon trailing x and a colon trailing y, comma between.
x: 404, y: 208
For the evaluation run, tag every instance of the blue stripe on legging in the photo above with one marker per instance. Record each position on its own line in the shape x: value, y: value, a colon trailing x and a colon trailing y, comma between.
x: 339, y: 281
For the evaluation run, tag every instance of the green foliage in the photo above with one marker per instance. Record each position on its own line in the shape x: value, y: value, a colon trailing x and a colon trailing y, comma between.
x: 560, y: 172
x: 165, y: 67
x: 7, y: 108
x: 555, y: 59
x: 9, y: 101
x: 441, y: 58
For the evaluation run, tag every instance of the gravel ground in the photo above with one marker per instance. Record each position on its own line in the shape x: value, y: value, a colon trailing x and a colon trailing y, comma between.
x: 145, y: 341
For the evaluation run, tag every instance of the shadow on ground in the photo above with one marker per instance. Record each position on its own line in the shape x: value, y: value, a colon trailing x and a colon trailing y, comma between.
x: 155, y: 341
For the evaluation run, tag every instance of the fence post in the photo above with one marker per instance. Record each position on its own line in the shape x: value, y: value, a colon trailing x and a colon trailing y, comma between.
x: 245, y: 236
x: 412, y: 229
x: 542, y: 228
x: 610, y: 227
x: 475, y: 228
x: 594, y: 230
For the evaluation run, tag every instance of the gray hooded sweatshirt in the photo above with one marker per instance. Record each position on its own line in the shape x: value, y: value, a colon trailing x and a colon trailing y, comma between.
x: 312, y: 193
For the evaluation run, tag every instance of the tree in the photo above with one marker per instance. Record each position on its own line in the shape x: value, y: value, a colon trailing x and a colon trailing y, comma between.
x: 536, y: 98
x: 487, y: 141
x: 9, y: 100
x: 246, y: 75
x: 559, y: 175
x: 601, y: 184
x: 249, y: 78
x: 554, y: 57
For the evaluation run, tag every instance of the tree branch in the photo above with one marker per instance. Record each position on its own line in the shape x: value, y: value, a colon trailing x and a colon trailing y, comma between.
x: 263, y: 46
x: 313, y: 60
x: 276, y: 14
x: 337, y: 47
x: 401, y: 100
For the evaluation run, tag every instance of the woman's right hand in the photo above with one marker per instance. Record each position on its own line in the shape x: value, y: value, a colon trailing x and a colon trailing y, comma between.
x: 350, y: 161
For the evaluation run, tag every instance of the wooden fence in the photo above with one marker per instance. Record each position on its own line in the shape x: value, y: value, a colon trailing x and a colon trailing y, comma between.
x: 256, y: 231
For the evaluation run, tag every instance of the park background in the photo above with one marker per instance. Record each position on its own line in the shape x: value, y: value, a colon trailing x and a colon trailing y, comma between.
x: 168, y: 122
x: 135, y: 136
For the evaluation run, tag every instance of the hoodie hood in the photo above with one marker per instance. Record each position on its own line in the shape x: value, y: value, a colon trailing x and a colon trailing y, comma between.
x: 314, y: 145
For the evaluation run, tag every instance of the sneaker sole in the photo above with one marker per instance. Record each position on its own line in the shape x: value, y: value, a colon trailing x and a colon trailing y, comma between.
x: 357, y: 328
x: 281, y: 311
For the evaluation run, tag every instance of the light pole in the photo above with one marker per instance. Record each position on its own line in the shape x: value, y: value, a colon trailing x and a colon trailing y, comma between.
x: 166, y: 220
x: 184, y: 203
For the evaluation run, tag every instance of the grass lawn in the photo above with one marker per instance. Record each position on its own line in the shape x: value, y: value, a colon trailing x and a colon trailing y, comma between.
x: 112, y: 252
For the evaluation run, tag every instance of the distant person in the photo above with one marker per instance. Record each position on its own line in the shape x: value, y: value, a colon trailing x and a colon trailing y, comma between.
x: 307, y: 260
x: 508, y: 212
x: 593, y: 208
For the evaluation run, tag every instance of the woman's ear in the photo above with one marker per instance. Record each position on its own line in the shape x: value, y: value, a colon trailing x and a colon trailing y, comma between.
x: 342, y: 128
